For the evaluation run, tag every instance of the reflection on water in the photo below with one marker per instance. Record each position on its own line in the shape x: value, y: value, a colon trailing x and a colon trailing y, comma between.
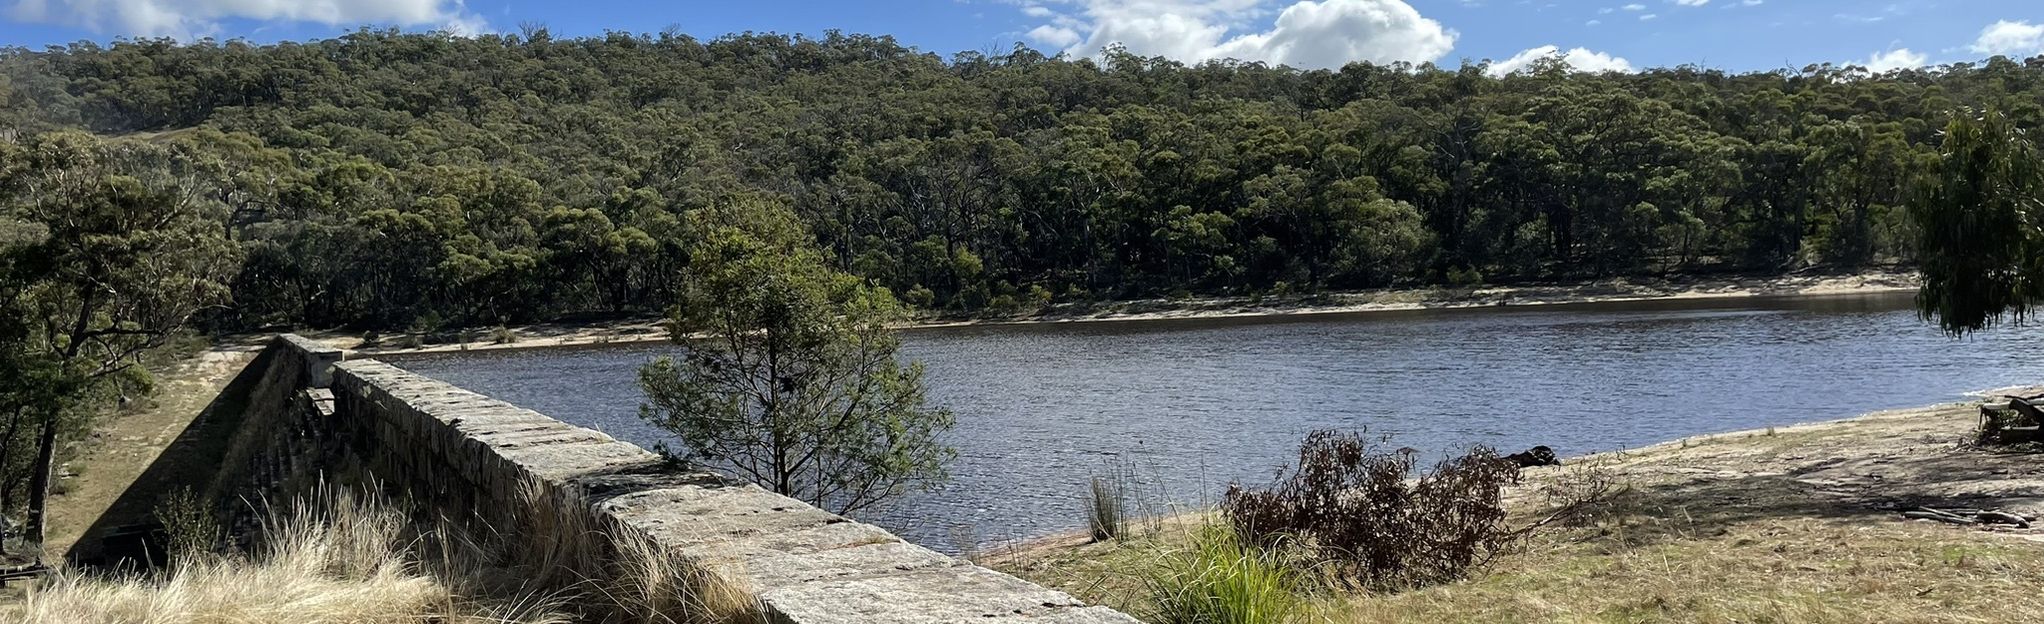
x: 1195, y: 404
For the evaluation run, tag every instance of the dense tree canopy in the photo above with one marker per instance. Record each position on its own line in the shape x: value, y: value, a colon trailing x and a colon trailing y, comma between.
x: 108, y: 248
x: 385, y: 180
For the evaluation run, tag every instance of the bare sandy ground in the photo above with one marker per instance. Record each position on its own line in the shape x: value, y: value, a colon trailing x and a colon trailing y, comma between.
x: 1865, y: 469
x: 1792, y: 524
x: 1390, y: 300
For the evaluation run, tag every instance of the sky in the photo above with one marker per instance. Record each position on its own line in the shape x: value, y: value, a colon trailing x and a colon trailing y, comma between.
x: 1738, y: 35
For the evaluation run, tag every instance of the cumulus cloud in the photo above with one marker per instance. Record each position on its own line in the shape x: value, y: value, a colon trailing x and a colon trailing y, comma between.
x: 1053, y: 36
x: 1899, y: 58
x: 186, y: 19
x: 2008, y: 38
x: 1311, y: 34
x: 1579, y: 59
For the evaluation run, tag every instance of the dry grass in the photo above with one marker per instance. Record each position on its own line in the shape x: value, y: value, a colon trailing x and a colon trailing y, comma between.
x: 1637, y: 568
x: 334, y: 560
x: 619, y: 574
x: 652, y: 585
x: 1797, y: 526
x: 1789, y: 570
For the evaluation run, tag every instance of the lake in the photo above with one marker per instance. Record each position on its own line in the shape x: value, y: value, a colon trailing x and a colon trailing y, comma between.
x: 1195, y: 404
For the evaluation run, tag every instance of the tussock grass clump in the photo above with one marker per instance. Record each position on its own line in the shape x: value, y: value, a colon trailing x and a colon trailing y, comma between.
x: 1215, y: 578
x: 331, y: 559
x: 1107, y: 503
x: 617, y: 574
x: 334, y: 557
x: 653, y: 585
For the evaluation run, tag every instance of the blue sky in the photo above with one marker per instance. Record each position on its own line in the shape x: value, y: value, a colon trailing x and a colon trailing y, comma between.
x: 1619, y: 34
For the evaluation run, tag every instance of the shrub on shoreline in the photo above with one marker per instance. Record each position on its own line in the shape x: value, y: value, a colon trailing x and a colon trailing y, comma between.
x: 1357, y: 513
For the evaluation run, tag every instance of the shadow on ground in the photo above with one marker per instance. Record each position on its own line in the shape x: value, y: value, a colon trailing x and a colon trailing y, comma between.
x: 1704, y: 492
x: 127, y: 533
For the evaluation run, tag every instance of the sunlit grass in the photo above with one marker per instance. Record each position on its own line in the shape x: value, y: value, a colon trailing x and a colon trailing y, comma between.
x: 335, y: 558
x: 1213, y: 578
x: 337, y: 561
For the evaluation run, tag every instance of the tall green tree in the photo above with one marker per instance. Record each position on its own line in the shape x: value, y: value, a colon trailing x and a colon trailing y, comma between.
x: 790, y: 377
x: 1981, y: 215
x: 126, y: 248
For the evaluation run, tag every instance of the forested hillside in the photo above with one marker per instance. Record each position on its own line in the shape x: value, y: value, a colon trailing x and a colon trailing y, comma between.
x: 392, y: 181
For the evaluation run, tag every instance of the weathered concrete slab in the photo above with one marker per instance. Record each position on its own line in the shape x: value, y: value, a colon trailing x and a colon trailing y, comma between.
x: 957, y: 593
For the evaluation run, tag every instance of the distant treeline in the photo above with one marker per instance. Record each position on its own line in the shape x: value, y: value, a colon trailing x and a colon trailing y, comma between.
x: 386, y: 180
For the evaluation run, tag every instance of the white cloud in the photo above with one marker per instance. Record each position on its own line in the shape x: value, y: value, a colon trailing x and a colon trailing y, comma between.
x: 186, y: 19
x: 1053, y: 36
x: 2008, y: 38
x: 1310, y: 34
x: 1899, y: 58
x: 1579, y: 59
x: 1691, y: 3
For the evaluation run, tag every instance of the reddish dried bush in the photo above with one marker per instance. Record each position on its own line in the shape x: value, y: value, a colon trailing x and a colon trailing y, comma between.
x: 1361, y: 515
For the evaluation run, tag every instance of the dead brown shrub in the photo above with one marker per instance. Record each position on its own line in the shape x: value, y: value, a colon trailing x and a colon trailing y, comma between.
x: 1358, y: 515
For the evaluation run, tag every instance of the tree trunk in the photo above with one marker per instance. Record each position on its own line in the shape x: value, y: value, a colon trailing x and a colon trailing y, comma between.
x: 39, y: 483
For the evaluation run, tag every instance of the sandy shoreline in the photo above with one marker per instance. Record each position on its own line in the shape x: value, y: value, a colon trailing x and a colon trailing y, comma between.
x: 1869, y: 464
x: 639, y: 331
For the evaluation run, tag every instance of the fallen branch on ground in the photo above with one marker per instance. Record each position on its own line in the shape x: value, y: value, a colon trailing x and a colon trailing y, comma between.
x: 1969, y: 516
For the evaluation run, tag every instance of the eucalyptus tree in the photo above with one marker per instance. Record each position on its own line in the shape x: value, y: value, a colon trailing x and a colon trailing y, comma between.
x: 126, y: 249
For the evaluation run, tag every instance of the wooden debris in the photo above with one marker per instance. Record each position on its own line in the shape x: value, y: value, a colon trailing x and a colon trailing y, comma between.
x: 1999, y: 517
x: 1969, y: 516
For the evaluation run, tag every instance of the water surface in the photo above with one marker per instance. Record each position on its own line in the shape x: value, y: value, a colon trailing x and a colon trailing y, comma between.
x: 1195, y: 404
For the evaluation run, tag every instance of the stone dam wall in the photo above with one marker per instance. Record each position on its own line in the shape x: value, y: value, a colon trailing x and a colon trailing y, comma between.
x: 462, y: 455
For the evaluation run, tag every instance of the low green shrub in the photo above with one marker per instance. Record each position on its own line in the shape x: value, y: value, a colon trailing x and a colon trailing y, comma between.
x: 190, y: 529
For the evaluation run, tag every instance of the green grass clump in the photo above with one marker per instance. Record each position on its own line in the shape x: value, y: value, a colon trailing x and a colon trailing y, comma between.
x: 1107, y: 505
x: 1216, y: 579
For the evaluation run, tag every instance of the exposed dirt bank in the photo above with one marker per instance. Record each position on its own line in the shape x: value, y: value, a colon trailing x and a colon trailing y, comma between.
x: 1612, y: 290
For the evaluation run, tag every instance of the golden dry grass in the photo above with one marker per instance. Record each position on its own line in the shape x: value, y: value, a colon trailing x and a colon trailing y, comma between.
x: 619, y: 574
x: 335, y: 558
x: 335, y: 561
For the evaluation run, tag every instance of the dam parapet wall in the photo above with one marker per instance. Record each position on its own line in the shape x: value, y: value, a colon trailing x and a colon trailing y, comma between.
x: 456, y: 454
